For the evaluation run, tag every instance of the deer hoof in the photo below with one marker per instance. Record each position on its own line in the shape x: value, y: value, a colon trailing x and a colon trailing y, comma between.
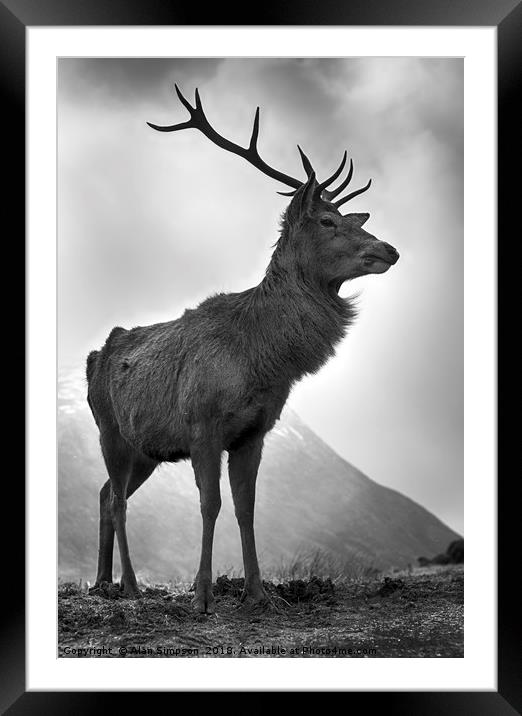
x: 254, y: 599
x: 102, y: 582
x: 101, y: 585
x: 204, y: 603
x: 131, y: 591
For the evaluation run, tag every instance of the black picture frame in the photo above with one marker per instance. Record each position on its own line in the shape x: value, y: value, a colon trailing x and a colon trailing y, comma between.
x: 506, y: 16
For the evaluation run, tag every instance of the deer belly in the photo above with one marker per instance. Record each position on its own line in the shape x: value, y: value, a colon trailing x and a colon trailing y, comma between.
x: 245, y: 426
x: 159, y: 434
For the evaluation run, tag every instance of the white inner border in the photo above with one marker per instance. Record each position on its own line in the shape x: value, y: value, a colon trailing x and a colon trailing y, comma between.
x: 477, y: 670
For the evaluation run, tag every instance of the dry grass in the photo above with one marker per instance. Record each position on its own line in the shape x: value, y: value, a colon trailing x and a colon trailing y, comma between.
x: 304, y: 565
x: 318, y: 563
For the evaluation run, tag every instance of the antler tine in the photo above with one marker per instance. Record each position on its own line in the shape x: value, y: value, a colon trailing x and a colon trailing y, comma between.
x: 334, y: 176
x: 307, y: 165
x: 329, y: 195
x: 184, y: 101
x: 199, y: 121
x: 181, y: 125
x: 346, y: 198
x: 255, y: 133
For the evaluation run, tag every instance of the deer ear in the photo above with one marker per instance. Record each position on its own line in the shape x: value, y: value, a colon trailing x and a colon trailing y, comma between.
x: 358, y: 219
x: 302, y: 201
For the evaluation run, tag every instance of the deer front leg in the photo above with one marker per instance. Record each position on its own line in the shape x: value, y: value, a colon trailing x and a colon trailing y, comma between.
x: 206, y: 461
x: 243, y: 465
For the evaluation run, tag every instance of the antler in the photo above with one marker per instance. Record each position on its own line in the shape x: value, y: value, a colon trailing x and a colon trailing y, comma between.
x: 309, y: 170
x: 199, y: 121
x: 328, y: 195
x: 321, y: 188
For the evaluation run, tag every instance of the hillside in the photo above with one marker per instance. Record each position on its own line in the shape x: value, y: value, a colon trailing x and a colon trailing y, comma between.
x: 308, y: 499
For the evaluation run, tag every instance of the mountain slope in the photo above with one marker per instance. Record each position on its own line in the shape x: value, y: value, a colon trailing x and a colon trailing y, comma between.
x: 308, y: 498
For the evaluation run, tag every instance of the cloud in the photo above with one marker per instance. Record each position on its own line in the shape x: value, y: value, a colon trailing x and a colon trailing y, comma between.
x: 125, y: 80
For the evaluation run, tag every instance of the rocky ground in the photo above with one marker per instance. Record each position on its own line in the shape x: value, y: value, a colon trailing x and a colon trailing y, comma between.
x: 419, y: 613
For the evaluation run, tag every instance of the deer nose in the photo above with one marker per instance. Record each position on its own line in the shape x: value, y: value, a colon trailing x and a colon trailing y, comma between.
x: 392, y: 252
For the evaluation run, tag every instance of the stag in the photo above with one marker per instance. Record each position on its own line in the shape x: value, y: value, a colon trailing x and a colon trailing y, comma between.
x: 216, y: 379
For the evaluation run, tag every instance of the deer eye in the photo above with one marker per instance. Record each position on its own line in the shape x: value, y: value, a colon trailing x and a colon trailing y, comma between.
x: 326, y: 221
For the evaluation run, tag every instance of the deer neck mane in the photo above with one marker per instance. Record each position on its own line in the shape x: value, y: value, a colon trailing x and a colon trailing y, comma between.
x: 300, y: 321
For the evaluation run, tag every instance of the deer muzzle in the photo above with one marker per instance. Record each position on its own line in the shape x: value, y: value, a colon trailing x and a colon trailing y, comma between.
x: 381, y: 252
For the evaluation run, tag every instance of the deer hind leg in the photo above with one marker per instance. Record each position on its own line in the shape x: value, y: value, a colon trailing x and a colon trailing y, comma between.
x: 127, y: 471
x: 243, y: 465
x: 140, y: 472
x: 206, y: 461
x: 106, y: 537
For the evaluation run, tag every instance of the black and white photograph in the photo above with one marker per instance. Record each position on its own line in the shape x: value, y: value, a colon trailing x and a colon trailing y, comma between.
x: 260, y: 280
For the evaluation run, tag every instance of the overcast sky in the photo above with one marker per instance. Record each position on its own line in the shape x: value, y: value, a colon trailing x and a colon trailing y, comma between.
x: 151, y: 223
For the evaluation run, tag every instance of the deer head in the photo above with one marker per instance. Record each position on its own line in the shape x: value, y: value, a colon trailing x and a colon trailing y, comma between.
x: 317, y: 240
x: 328, y: 246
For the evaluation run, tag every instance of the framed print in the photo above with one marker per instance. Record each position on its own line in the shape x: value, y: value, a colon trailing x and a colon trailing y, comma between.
x: 174, y: 303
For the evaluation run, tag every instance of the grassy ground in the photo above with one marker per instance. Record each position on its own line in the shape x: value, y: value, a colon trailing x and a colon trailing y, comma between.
x: 419, y: 613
